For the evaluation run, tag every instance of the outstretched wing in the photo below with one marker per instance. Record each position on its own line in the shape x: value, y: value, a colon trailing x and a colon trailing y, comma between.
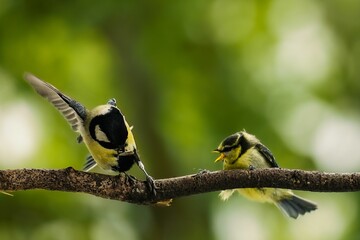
x: 267, y: 155
x: 73, y: 111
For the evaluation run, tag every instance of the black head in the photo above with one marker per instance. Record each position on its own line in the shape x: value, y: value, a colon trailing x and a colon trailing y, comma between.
x: 235, y: 145
x: 109, y: 128
x: 229, y: 143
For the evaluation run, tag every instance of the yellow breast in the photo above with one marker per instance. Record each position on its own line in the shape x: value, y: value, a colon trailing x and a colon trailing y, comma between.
x: 105, y: 158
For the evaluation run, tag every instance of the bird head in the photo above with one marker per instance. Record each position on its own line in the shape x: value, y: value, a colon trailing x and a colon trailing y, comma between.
x: 234, y: 145
x: 229, y: 148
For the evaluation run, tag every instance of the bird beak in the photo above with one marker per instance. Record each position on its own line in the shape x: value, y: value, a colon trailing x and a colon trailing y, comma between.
x: 215, y: 151
x: 220, y: 158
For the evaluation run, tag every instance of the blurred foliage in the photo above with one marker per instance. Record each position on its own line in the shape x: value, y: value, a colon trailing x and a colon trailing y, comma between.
x: 186, y: 75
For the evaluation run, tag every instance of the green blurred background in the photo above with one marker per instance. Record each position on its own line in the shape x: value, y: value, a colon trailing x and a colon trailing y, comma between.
x: 186, y: 75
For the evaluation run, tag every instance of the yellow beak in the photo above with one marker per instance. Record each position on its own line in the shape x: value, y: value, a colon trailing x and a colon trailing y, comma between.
x: 220, y: 158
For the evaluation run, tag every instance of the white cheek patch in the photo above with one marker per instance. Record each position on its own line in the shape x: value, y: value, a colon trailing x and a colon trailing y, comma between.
x: 100, y: 135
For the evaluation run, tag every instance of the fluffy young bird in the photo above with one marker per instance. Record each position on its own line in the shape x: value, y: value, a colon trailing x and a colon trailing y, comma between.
x: 103, y: 129
x: 244, y: 151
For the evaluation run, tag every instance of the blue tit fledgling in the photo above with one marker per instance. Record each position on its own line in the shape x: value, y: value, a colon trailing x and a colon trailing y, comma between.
x: 103, y: 129
x: 244, y: 151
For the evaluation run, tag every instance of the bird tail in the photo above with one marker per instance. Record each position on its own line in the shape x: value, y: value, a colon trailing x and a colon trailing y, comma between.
x: 295, y: 206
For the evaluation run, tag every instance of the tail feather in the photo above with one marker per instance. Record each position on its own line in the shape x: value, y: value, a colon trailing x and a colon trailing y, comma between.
x: 295, y: 206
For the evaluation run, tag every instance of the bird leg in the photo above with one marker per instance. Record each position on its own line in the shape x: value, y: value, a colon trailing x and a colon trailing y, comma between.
x: 149, y: 179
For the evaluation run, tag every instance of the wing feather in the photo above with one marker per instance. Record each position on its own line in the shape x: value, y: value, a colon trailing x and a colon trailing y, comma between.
x: 89, y: 164
x: 267, y: 155
x: 73, y: 111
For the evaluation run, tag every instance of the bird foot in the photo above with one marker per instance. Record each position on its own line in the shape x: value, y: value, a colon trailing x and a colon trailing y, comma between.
x: 129, y: 178
x: 151, y: 184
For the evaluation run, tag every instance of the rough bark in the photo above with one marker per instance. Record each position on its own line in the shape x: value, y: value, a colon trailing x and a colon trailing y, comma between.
x: 120, y: 188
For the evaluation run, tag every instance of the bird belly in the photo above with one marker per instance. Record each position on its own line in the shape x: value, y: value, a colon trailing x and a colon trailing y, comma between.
x: 271, y: 195
x: 124, y: 163
x: 257, y: 194
x: 105, y: 158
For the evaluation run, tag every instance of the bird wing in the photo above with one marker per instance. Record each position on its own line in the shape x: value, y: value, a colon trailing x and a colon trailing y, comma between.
x: 73, y: 111
x: 89, y: 164
x: 265, y: 152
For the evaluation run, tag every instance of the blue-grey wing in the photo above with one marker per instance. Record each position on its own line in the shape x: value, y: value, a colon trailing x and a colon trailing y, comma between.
x: 265, y: 152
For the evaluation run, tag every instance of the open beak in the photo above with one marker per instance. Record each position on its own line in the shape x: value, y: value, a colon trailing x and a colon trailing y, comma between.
x: 220, y: 158
x: 215, y: 151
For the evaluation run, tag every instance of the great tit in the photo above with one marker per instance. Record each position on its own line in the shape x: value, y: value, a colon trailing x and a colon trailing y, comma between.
x: 244, y: 151
x: 103, y: 129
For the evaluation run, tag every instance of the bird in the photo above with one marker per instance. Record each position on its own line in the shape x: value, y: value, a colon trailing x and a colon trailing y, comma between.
x: 104, y: 130
x: 243, y: 150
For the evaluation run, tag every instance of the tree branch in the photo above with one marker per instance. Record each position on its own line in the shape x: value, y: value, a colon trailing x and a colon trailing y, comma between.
x: 119, y: 188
